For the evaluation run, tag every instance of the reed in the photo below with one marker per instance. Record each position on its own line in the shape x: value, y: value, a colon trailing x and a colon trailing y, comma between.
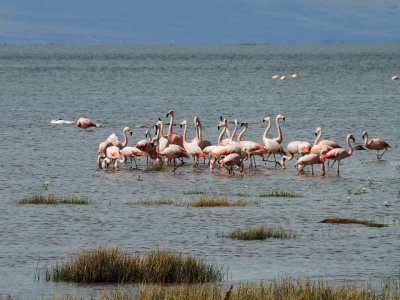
x: 261, y: 233
x: 285, y: 194
x: 113, y: 265
x: 352, y: 221
x: 194, y: 192
x: 205, y: 202
x: 53, y: 200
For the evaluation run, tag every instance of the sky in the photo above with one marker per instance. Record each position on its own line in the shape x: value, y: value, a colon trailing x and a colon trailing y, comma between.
x: 155, y: 22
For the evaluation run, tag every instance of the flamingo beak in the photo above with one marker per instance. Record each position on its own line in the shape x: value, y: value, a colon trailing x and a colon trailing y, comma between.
x: 218, y: 127
x: 166, y: 115
x: 315, y: 133
x: 284, y: 120
x: 263, y: 120
x: 220, y: 117
x: 131, y: 133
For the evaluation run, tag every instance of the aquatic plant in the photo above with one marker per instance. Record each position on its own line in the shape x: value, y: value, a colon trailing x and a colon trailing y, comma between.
x: 155, y: 168
x: 157, y: 202
x: 194, y: 192
x: 286, y: 194
x: 113, y: 265
x: 261, y: 233
x: 352, y: 221
x: 205, y: 202
x: 53, y: 200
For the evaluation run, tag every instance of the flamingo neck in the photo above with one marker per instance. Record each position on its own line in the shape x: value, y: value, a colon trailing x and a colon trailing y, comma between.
x: 161, y: 130
x: 350, y: 151
x: 126, y: 140
x: 365, y: 140
x: 234, y: 132
x: 241, y: 134
x: 279, y: 138
x: 198, y: 132
x: 318, y: 138
x: 221, y: 135
x: 171, y: 123
x: 184, y: 133
x: 267, y: 129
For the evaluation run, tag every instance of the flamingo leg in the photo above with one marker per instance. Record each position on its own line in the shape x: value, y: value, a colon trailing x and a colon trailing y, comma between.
x: 333, y: 163
x: 323, y: 169
x: 338, y: 164
x: 382, y: 153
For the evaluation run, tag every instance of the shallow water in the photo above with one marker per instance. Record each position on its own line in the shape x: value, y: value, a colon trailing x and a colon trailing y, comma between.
x: 341, y: 89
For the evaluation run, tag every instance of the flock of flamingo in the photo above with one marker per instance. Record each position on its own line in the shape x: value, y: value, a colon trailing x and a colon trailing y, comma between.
x: 229, y: 152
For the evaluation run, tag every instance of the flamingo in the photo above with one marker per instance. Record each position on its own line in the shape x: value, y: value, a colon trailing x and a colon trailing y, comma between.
x: 147, y: 146
x: 85, y: 123
x: 295, y: 147
x: 162, y: 140
x: 250, y: 148
x: 283, y: 77
x: 318, y: 133
x: 338, y: 154
x: 375, y: 144
x: 271, y: 144
x: 395, y: 77
x: 191, y: 148
x: 172, y: 137
x: 113, y: 153
x: 295, y: 76
x: 230, y: 161
x: 131, y: 152
x: 276, y: 77
x: 311, y: 159
x: 116, y: 142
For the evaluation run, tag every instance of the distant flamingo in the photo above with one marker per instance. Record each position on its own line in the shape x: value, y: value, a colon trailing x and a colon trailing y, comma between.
x: 85, y: 123
x: 172, y: 137
x: 375, y: 144
x: 251, y: 148
x: 230, y: 161
x: 191, y: 148
x: 295, y: 148
x: 276, y: 77
x: 311, y: 159
x: 338, y: 154
x: 271, y: 144
x: 295, y: 76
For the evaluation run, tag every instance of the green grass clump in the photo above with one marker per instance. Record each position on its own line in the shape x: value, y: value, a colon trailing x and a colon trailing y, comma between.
x: 205, y: 202
x: 53, y: 200
x: 261, y: 233
x: 285, y: 194
x: 352, y: 221
x: 112, y: 265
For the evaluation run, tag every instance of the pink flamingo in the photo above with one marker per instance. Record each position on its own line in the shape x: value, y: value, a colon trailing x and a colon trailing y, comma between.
x: 375, y: 144
x: 113, y: 153
x: 272, y: 145
x: 295, y: 148
x: 311, y: 159
x: 250, y: 148
x: 116, y: 142
x: 338, y: 154
x: 131, y: 152
x: 230, y: 161
x: 172, y: 137
x: 191, y: 148
x: 147, y: 146
x: 162, y: 140
x: 85, y: 123
x: 318, y: 134
x: 171, y: 152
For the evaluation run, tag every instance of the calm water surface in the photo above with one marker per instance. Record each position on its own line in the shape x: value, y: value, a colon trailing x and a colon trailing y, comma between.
x: 341, y: 89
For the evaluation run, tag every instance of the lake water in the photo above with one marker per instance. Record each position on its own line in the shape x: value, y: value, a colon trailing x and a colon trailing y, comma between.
x: 343, y: 89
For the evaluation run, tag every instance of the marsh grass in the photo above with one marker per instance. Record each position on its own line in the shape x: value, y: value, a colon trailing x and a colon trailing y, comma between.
x: 194, y: 192
x: 158, y: 202
x: 113, y: 265
x: 261, y: 233
x: 282, y: 289
x: 352, y: 221
x: 53, y: 200
x: 205, y: 202
x: 285, y: 194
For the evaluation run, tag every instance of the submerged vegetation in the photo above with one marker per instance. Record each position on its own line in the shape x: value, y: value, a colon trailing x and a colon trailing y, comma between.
x: 157, y: 202
x: 53, y: 200
x: 352, y: 221
x: 113, y: 265
x: 261, y: 233
x: 205, y: 202
x: 285, y: 194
